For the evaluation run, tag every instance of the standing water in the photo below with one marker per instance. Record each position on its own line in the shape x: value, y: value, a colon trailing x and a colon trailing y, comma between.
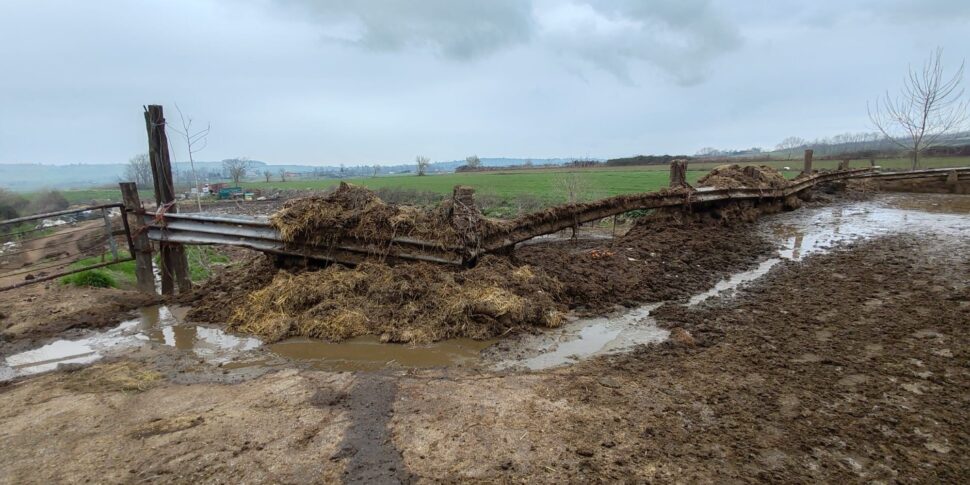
x: 800, y: 233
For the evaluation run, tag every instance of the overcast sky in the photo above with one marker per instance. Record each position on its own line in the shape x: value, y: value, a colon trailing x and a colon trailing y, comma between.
x: 380, y: 81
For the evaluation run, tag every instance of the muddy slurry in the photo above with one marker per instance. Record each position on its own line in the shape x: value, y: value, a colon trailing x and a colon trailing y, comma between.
x: 827, y: 344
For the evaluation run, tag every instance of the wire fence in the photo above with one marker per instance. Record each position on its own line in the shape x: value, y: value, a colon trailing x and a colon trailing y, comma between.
x: 43, y: 247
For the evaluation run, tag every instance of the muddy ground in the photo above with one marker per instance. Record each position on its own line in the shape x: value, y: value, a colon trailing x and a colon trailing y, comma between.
x: 846, y: 366
x: 35, y: 314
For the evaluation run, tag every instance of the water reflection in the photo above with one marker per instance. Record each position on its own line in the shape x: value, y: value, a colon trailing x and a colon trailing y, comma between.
x: 161, y: 325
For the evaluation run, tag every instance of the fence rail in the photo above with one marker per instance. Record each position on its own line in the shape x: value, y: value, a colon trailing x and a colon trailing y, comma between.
x: 32, y: 251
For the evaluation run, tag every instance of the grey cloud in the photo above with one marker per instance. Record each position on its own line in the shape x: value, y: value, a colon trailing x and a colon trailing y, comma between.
x: 679, y: 37
x: 457, y: 30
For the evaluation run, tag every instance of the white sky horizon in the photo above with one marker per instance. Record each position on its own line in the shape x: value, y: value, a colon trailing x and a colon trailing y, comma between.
x: 380, y: 81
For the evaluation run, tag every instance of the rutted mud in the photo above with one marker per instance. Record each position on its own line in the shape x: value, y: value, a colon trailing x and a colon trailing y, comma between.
x: 843, y: 367
x: 665, y: 274
x: 798, y: 235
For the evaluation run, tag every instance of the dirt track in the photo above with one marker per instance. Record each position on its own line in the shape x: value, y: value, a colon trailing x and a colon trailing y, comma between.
x: 847, y: 366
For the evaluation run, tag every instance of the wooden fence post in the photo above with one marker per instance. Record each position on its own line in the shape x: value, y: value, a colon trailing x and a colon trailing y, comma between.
x: 144, y: 273
x: 174, y: 265
x: 678, y: 173
x: 807, y: 170
x: 464, y: 217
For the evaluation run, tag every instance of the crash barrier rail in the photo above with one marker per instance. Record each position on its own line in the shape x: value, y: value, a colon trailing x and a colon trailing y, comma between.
x: 962, y: 174
x: 43, y: 247
x: 256, y: 232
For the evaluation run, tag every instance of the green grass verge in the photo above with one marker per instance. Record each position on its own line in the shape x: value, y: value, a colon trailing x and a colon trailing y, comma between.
x: 118, y: 274
x: 202, y: 259
x: 94, y: 278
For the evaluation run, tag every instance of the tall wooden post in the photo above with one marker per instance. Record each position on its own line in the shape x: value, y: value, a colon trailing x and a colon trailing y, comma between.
x: 807, y: 170
x: 678, y: 173
x: 144, y: 273
x: 174, y: 265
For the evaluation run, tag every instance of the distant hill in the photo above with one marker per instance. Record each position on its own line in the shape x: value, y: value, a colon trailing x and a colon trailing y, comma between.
x: 32, y: 176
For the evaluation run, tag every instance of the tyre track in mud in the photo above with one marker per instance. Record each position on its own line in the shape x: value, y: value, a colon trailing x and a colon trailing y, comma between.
x: 367, y: 450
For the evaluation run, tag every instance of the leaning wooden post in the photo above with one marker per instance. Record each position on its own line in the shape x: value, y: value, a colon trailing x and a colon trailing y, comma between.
x: 144, y: 273
x: 678, y: 173
x: 464, y: 216
x: 174, y: 265
x: 807, y: 170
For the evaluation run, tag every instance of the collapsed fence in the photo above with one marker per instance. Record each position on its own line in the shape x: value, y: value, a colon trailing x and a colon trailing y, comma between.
x: 258, y: 232
x: 47, y: 246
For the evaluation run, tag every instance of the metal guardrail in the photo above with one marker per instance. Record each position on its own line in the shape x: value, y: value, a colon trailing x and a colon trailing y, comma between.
x: 256, y: 232
x: 939, y: 173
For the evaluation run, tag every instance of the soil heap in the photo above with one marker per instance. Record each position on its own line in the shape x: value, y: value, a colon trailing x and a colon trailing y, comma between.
x: 419, y: 302
x: 358, y: 213
x: 734, y: 176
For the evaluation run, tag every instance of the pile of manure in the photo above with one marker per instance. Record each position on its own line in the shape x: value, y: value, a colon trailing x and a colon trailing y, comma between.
x: 418, y: 302
x: 358, y: 213
x: 734, y: 176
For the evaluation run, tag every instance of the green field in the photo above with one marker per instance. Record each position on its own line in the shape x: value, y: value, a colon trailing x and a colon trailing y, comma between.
x: 539, y: 183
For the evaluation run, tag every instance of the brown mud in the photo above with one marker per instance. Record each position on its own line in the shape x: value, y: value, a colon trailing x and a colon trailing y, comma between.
x: 655, y: 261
x: 35, y: 313
x: 358, y: 213
x: 734, y: 176
x: 848, y: 366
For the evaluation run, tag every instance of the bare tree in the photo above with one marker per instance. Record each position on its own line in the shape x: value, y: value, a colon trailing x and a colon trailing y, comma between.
x: 267, y: 174
x: 927, y: 108
x: 790, y: 144
x: 236, y: 168
x: 139, y: 170
x: 282, y: 175
x: 573, y: 186
x: 376, y: 169
x: 473, y: 161
x: 195, y: 142
x: 423, y: 163
x: 707, y: 152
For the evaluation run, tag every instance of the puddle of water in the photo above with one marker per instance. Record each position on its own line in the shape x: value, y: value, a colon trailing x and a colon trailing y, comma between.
x: 368, y: 353
x: 735, y: 281
x: 160, y: 325
x: 807, y: 232
x: 585, y: 338
x: 800, y: 233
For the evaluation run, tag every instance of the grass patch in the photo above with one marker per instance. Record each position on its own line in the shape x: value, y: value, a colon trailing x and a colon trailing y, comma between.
x: 122, y: 274
x: 94, y: 278
x: 202, y: 259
